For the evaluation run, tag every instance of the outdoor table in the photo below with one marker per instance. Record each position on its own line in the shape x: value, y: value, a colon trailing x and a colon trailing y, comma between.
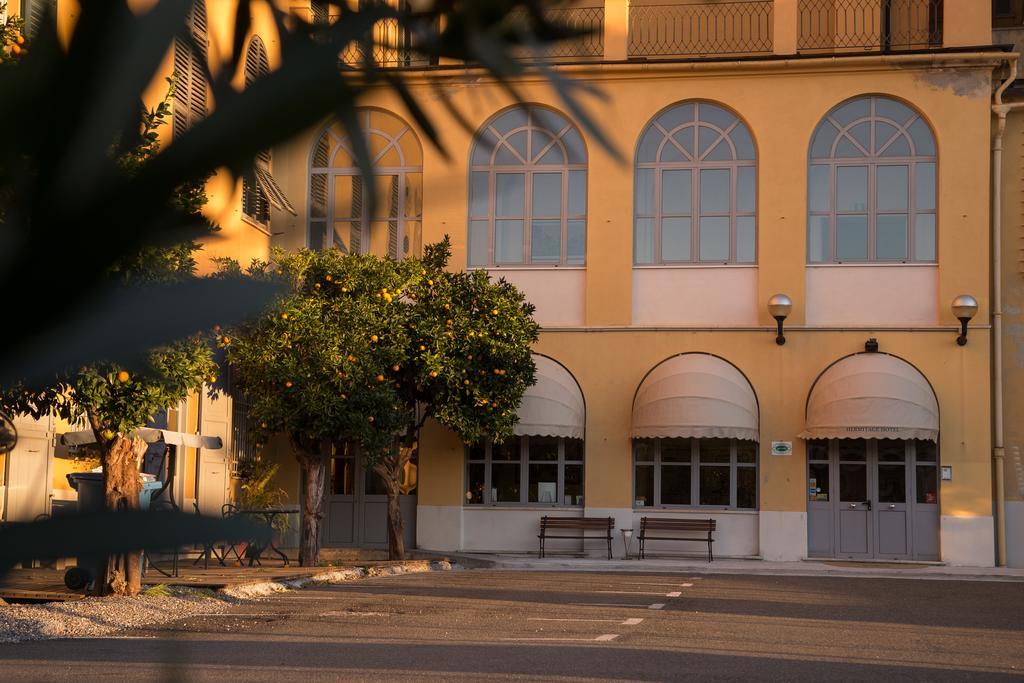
x: 268, y: 514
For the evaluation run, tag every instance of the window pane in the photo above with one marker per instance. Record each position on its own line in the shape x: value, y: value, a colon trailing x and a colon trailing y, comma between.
x: 505, y: 482
x: 675, y: 192
x: 885, y: 132
x: 821, y: 146
x: 644, y: 486
x: 746, y: 240
x: 746, y: 487
x: 643, y: 240
x: 318, y: 196
x: 817, y: 481
x: 675, y: 239
x: 891, y: 109
x: 705, y: 138
x: 892, y: 483
x: 714, y: 485
x: 551, y: 154
x: 746, y: 194
x: 546, y: 241
x: 577, y: 193
x: 819, y: 248
x: 508, y: 241
x: 648, y: 148
x: 543, y: 448
x: 374, y: 484
x: 927, y: 484
x: 547, y: 194
x: 852, y: 188
x: 746, y: 451
x: 817, y: 449
x: 892, y: 189
x: 924, y: 186
x: 573, y: 449
x: 675, y: 485
x: 574, y: 146
x: 478, y: 200
x: 853, y: 110
x: 475, y: 483
x: 861, y: 134
x: 714, y: 190
x: 921, y: 134
x: 891, y: 236
x: 714, y: 239
x: 317, y: 235
x: 576, y: 242
x: 509, y: 194
x: 512, y: 152
x: 714, y: 450
x: 478, y: 243
x: 543, y: 483
x: 924, y: 237
x: 342, y: 476
x: 573, y: 485
x: 818, y: 188
x: 853, y: 483
x: 643, y: 450
x: 854, y: 450
x: 645, y: 192
x: 344, y: 233
x: 924, y: 451
x: 510, y: 120
x: 851, y: 238
x: 509, y: 449
x: 743, y: 142
x: 676, y: 450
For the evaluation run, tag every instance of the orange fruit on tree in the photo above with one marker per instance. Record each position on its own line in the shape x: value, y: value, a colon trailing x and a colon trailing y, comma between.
x: 123, y: 376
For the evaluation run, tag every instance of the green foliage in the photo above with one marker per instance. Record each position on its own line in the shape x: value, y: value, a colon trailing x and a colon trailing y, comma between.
x: 257, y: 494
x: 12, y: 38
x: 364, y: 349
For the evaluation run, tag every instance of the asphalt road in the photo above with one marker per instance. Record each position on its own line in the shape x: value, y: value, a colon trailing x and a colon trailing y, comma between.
x: 562, y: 626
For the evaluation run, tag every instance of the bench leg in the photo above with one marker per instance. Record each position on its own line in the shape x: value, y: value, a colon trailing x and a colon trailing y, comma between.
x: 540, y: 554
x: 641, y: 548
x: 609, y: 547
x: 711, y: 556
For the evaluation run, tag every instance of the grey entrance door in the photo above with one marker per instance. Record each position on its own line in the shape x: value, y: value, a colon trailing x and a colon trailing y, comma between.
x: 873, y: 499
x: 356, y: 504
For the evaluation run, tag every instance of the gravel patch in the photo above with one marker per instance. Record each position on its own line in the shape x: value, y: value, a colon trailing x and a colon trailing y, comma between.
x: 94, y: 617
x: 97, y: 617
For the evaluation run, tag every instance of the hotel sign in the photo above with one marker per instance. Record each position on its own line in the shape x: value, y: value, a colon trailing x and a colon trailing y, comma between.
x: 782, y: 448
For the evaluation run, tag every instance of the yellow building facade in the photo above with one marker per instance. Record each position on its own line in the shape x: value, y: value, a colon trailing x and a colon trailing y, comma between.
x: 792, y: 147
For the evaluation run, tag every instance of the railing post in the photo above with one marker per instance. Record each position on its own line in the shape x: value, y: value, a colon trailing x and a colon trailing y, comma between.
x: 787, y: 23
x: 616, y: 29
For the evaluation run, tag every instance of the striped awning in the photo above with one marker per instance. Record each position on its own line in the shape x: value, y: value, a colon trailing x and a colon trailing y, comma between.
x: 554, y: 405
x: 695, y: 395
x: 872, y: 396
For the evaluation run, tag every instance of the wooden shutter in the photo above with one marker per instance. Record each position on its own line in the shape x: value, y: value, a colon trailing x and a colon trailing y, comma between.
x: 190, y: 100
x: 255, y: 202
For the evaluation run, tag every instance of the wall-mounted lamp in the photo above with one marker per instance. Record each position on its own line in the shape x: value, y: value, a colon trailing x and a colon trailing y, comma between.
x: 964, y: 307
x: 779, y: 306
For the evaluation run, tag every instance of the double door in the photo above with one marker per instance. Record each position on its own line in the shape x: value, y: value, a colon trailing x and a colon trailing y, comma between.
x: 873, y: 499
x: 356, y: 503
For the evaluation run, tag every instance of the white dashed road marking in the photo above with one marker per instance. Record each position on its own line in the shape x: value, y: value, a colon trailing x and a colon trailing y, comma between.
x: 657, y: 605
x: 631, y: 622
x: 599, y: 639
x: 673, y: 594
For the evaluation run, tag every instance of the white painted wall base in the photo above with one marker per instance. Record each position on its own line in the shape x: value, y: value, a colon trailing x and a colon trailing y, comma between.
x: 783, y: 535
x: 439, y: 527
x: 623, y: 520
x: 967, y: 541
x: 736, y: 534
x: 1015, y: 533
x: 498, y: 529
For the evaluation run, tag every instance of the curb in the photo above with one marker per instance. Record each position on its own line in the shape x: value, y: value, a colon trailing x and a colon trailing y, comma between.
x: 335, y: 576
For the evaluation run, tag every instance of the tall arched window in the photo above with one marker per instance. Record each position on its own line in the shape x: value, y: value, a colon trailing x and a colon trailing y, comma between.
x: 871, y: 185
x: 190, y: 68
x: 255, y: 201
x: 339, y: 215
x: 695, y: 195
x: 528, y: 191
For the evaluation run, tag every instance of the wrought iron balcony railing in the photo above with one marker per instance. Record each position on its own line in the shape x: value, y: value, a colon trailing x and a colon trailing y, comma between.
x: 587, y: 20
x: 701, y: 29
x: 871, y: 25
x: 390, y: 46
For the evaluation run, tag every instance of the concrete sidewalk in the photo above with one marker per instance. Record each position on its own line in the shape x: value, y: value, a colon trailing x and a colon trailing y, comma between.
x: 694, y: 565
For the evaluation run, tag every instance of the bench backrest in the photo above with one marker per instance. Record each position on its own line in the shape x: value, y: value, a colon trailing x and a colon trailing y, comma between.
x: 592, y: 523
x: 655, y: 524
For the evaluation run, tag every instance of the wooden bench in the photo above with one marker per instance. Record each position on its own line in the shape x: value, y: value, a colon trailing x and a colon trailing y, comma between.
x: 604, y: 525
x: 676, y: 530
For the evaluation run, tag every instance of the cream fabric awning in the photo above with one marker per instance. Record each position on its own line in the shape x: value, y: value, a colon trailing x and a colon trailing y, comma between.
x: 150, y: 435
x: 554, y: 405
x: 695, y: 395
x: 872, y: 396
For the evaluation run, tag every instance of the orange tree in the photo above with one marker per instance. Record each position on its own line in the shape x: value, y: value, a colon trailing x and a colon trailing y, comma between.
x: 365, y: 349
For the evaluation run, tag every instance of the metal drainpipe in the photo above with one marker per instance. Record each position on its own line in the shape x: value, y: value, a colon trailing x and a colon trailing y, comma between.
x: 998, y: 449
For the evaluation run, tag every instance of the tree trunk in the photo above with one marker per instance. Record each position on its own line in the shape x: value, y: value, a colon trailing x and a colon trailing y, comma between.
x: 314, y: 469
x: 392, y: 471
x: 121, y: 488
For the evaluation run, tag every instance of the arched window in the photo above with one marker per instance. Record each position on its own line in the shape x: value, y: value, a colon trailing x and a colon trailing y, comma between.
x: 871, y: 185
x: 696, y: 191
x: 339, y: 213
x: 255, y: 202
x: 528, y: 191
x: 190, y: 68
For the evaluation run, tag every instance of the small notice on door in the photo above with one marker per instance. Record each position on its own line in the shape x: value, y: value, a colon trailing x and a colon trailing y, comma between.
x: 782, y: 448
